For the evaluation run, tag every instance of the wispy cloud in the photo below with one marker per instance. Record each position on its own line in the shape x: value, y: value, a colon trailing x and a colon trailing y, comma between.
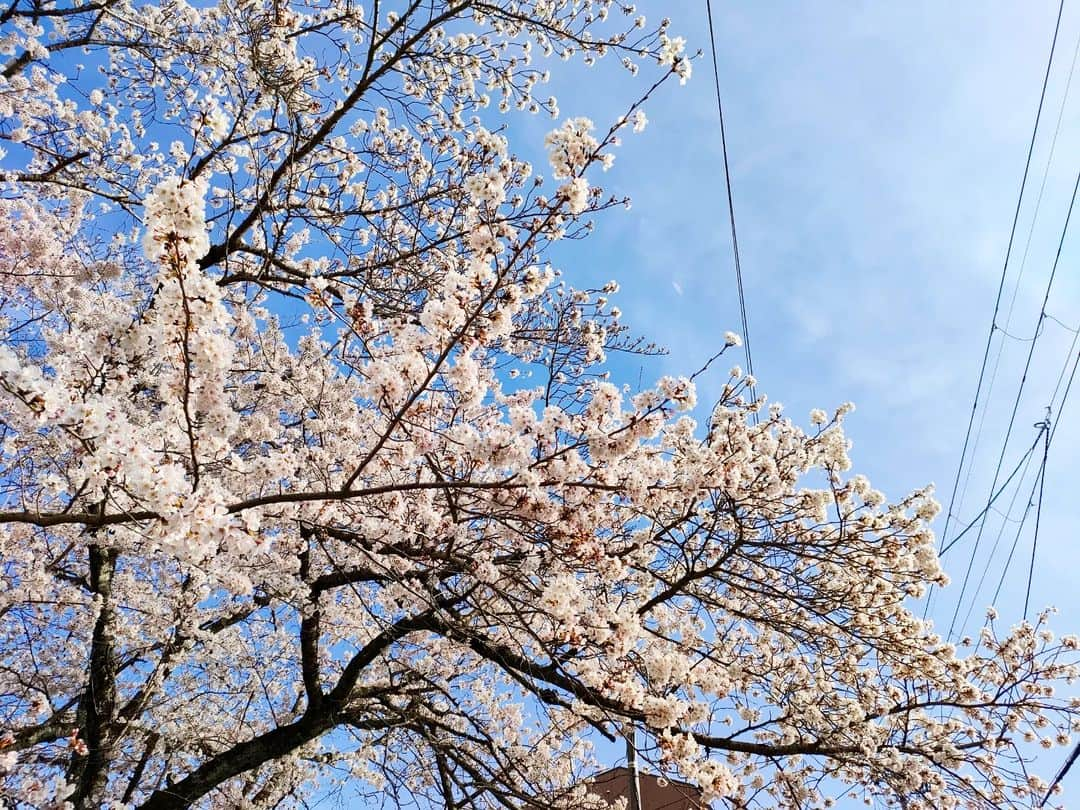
x: 876, y: 153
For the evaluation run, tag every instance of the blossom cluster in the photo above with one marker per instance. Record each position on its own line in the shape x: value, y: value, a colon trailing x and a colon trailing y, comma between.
x: 315, y: 476
x: 571, y: 147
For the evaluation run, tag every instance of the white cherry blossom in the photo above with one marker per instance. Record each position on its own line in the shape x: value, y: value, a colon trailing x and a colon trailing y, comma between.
x: 314, y: 479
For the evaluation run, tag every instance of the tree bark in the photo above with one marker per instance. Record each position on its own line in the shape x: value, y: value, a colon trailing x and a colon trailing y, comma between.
x: 97, y: 709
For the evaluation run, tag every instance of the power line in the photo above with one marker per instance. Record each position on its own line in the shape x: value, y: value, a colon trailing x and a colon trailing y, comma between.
x: 1039, y: 197
x: 1047, y: 432
x: 1001, y: 283
x: 1072, y: 353
x: 731, y: 206
x: 1049, y: 440
x: 1061, y: 774
x: 1005, y: 519
x: 1038, y: 516
x: 1016, y: 539
x: 982, y: 513
x: 1004, y: 330
x: 1020, y: 390
x: 1072, y: 375
x: 1076, y: 751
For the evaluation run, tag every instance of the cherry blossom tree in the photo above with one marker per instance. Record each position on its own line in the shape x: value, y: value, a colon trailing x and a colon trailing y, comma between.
x: 313, y: 479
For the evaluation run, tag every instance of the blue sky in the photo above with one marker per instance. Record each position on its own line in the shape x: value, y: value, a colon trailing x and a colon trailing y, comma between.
x: 876, y: 154
x: 877, y: 151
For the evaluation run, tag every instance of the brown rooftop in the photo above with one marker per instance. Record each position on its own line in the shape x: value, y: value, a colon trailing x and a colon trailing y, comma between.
x: 657, y: 793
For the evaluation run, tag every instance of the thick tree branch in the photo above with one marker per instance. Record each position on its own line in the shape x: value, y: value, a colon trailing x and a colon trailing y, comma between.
x: 309, y: 633
x: 97, y: 709
x: 280, y: 741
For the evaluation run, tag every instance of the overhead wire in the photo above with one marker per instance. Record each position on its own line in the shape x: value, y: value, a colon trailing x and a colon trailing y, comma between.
x: 1038, y: 517
x: 1004, y: 329
x: 1040, y: 479
x: 949, y: 513
x: 1038, y: 485
x: 1076, y: 751
x: 993, y: 498
x: 1060, y: 775
x: 1039, y: 476
x: 731, y: 208
x: 1019, y: 392
x: 1047, y: 431
x: 1072, y: 375
x: 1005, y: 520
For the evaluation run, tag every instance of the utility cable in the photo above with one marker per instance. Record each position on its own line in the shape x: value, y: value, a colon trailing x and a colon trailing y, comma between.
x: 1021, y: 463
x: 1005, y: 519
x: 1020, y: 389
x: 1016, y: 539
x: 1038, y: 516
x: 1076, y: 751
x: 1004, y: 330
x: 1061, y: 775
x: 1001, y: 283
x: 1037, y: 486
x: 954, y: 506
x: 731, y: 208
